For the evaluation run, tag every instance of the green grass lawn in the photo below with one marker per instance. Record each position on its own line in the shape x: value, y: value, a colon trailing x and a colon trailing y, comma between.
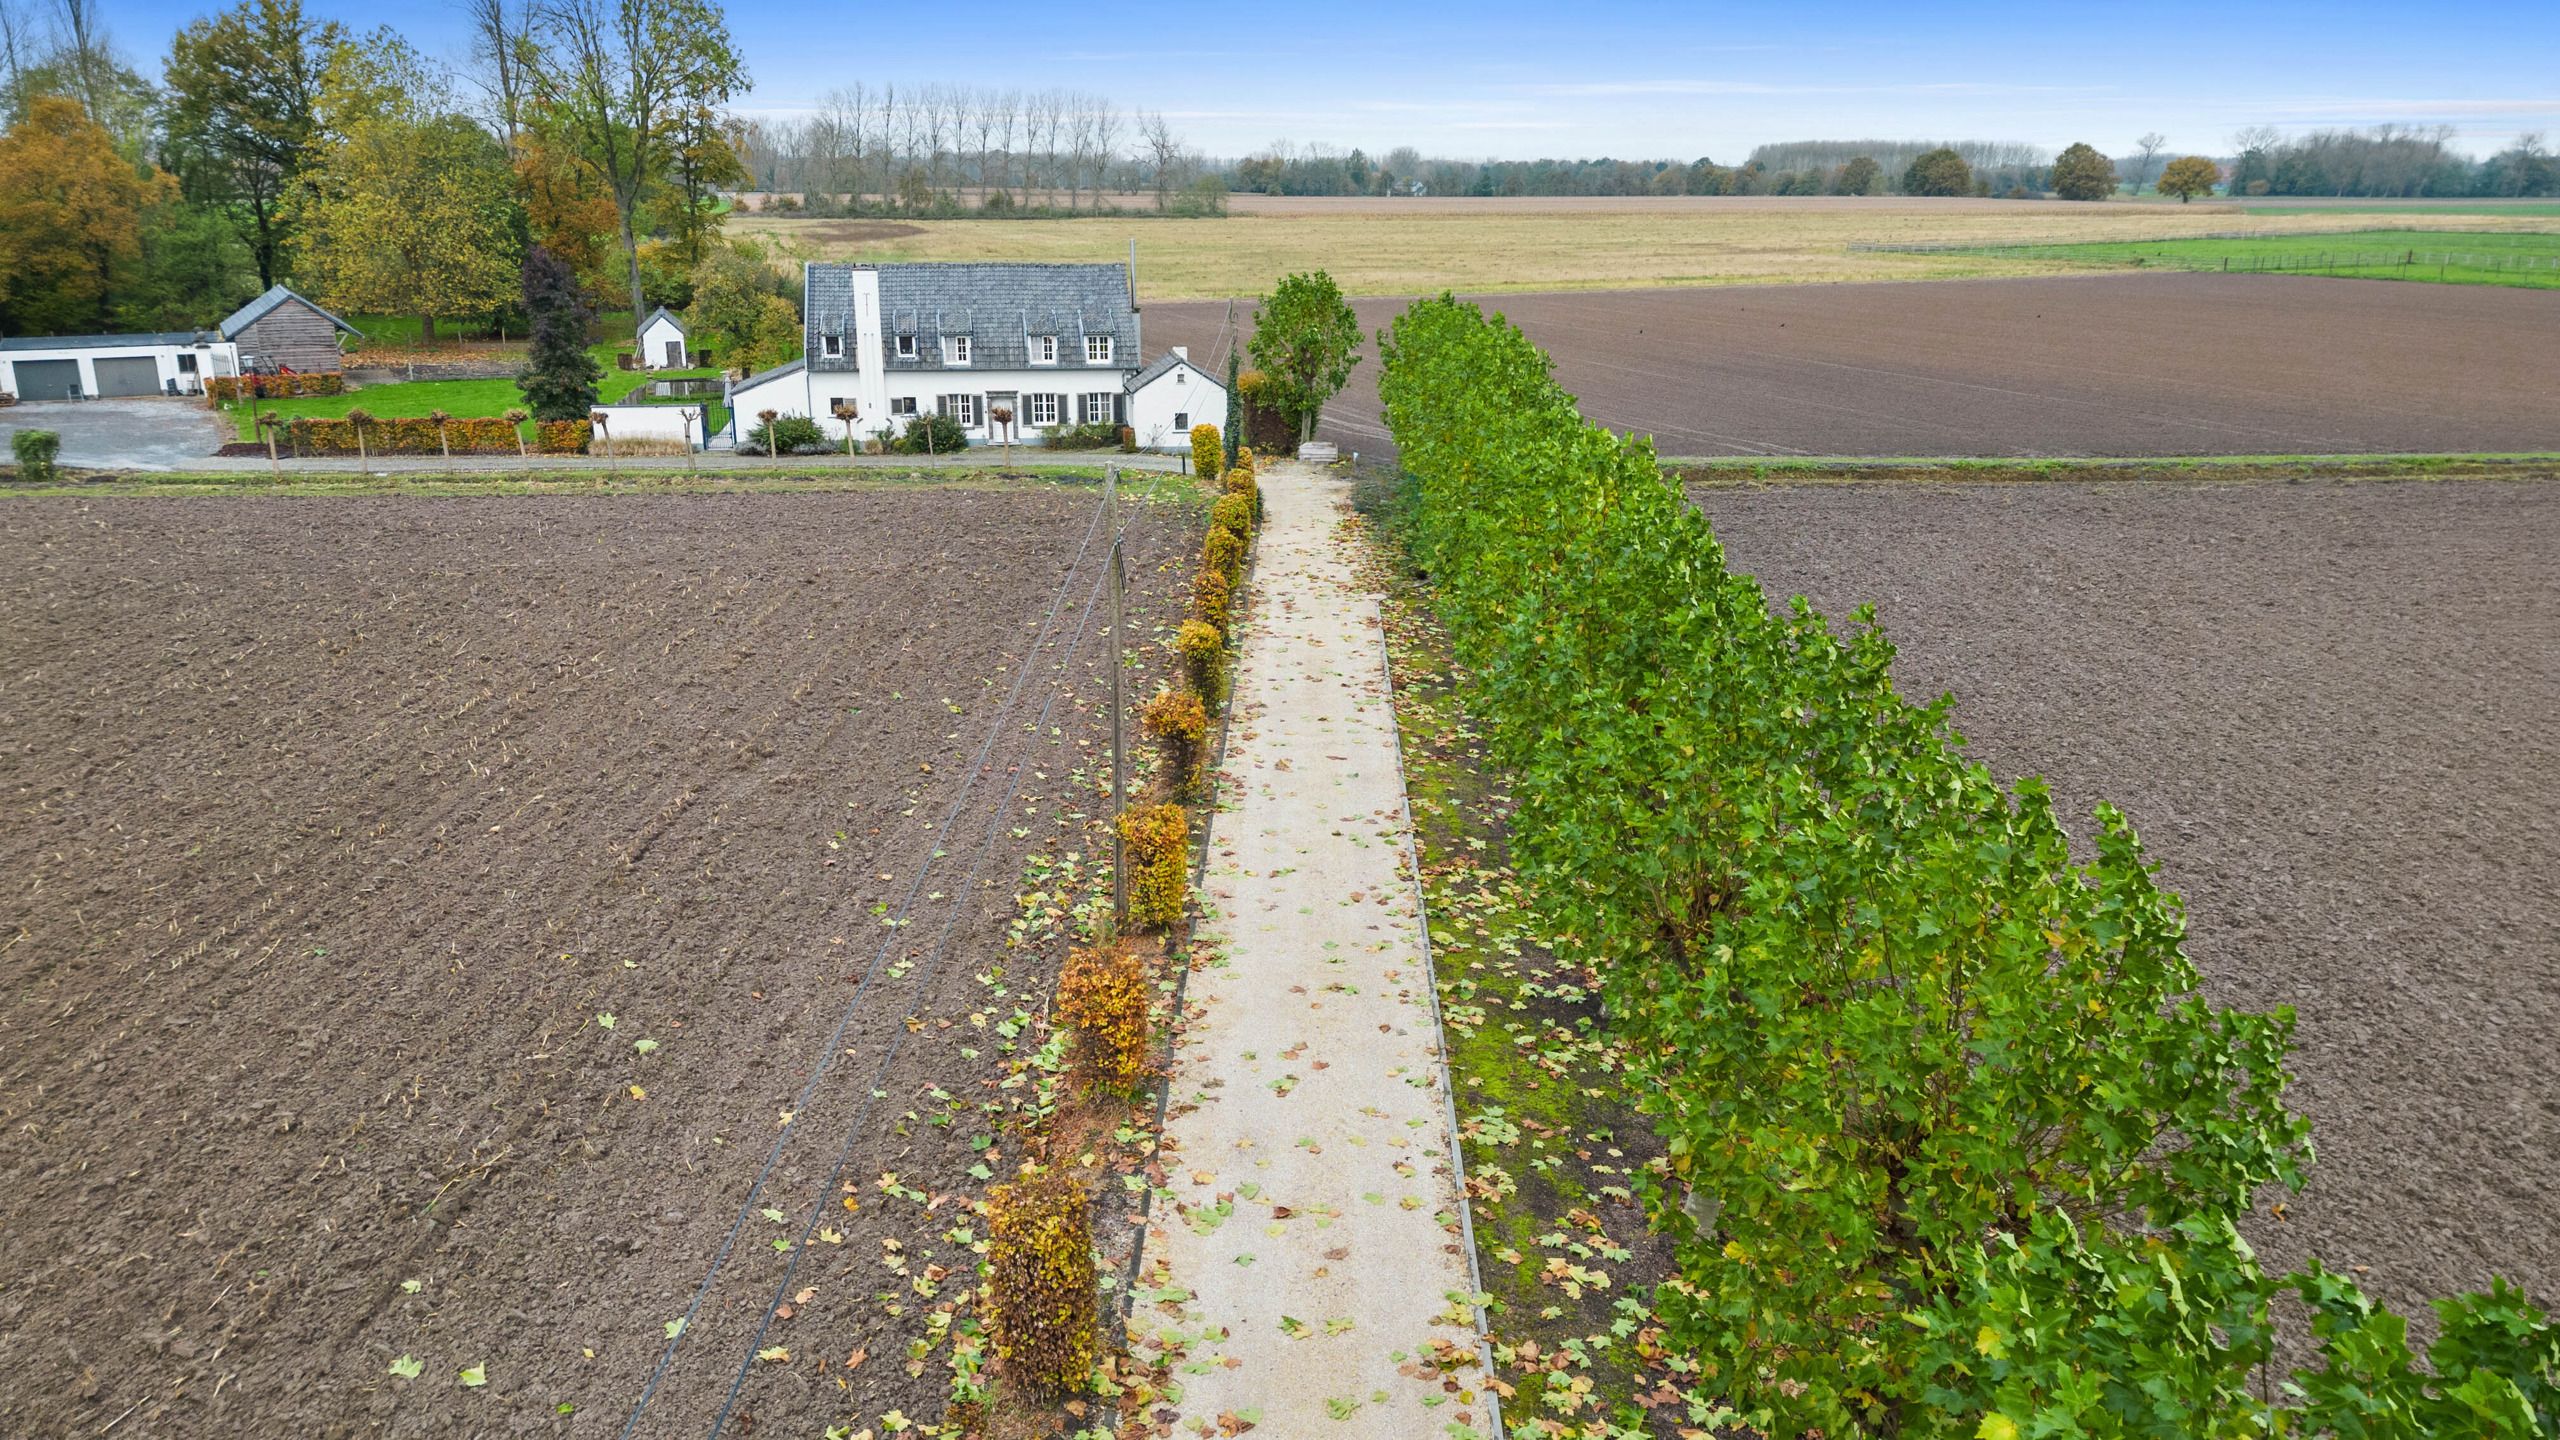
x: 2529, y: 259
x: 2442, y: 207
x: 463, y: 399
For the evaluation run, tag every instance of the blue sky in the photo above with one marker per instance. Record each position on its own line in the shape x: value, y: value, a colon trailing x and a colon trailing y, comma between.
x: 1511, y: 79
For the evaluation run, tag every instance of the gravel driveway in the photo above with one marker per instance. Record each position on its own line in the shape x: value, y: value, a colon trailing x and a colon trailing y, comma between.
x: 143, y: 433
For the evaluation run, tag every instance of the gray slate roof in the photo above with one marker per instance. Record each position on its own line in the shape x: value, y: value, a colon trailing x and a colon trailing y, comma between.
x: 256, y: 310
x: 1163, y: 363
x: 787, y: 367
x: 107, y: 342
x: 998, y: 306
x: 672, y: 318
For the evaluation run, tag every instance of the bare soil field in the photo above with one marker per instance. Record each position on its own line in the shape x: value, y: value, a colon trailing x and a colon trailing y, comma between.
x: 2326, y: 708
x: 426, y: 914
x: 1404, y: 247
x: 2079, y: 365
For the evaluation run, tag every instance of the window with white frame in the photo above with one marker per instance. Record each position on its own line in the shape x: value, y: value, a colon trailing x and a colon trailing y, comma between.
x: 831, y: 346
x: 1097, y: 349
x: 963, y: 408
x: 1182, y: 421
x: 1041, y: 409
x: 1096, y: 407
x: 1044, y: 349
x: 906, y: 347
x: 902, y: 405
x: 955, y: 350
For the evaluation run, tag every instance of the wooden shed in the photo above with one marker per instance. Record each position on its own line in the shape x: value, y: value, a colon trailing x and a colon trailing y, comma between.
x: 281, y: 330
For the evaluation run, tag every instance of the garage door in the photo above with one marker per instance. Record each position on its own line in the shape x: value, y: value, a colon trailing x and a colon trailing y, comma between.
x: 132, y: 375
x: 47, y: 379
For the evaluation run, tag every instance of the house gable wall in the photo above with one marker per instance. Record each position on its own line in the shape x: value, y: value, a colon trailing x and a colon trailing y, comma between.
x: 293, y: 335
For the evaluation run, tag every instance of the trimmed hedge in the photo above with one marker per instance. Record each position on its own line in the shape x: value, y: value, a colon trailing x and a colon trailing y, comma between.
x: 1203, y: 649
x: 1043, y: 1305
x: 1103, y: 994
x: 417, y: 435
x: 1178, y: 720
x: 222, y: 389
x: 1954, y: 1148
x: 1159, y: 846
x: 1208, y: 452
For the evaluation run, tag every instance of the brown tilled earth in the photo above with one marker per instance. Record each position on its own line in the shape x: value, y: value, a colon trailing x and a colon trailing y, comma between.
x: 2328, y: 710
x: 2081, y: 365
x: 334, y: 827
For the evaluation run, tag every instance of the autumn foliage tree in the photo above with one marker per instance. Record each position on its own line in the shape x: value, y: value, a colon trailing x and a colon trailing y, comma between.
x: 2081, y: 173
x: 2188, y: 177
x: 71, y: 218
x: 406, y: 208
x: 243, y: 97
x: 1305, y: 341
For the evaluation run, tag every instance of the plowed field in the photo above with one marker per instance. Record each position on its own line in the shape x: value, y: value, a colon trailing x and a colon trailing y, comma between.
x: 2082, y: 365
x: 424, y: 916
x: 2327, y: 710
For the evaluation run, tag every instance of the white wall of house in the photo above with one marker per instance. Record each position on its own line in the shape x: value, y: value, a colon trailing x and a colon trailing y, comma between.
x: 1163, y: 412
x: 653, y: 422
x: 218, y: 358
x: 655, y: 337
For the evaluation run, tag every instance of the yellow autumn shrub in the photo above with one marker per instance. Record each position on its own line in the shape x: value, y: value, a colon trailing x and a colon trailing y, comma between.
x: 1159, y: 848
x: 1103, y: 994
x: 1179, y: 722
x: 1208, y: 451
x: 1042, y: 1300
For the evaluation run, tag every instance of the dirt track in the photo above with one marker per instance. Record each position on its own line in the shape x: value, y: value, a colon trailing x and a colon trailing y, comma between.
x: 2328, y: 711
x: 2083, y: 365
x: 334, y: 826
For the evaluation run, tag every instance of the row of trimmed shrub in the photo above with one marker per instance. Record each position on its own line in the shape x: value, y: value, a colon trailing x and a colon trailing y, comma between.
x: 223, y: 389
x: 1954, y: 1147
x: 425, y: 435
x: 1042, y: 1293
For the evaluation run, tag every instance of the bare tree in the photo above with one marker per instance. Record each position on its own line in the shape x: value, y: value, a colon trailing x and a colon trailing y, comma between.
x: 501, y: 36
x: 1163, y: 151
x: 2149, y: 146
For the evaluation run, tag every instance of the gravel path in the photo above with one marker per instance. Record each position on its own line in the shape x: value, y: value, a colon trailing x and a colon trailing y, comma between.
x: 1317, y: 1225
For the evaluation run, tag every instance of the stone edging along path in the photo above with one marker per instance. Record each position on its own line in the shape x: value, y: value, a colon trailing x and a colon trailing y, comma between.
x: 1314, y: 1273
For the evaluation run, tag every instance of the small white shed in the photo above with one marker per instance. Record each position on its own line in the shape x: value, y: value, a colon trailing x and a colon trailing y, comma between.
x: 662, y: 342
x: 1169, y: 397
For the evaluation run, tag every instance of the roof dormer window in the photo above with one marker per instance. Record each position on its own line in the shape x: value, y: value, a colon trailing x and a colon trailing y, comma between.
x: 955, y: 350
x: 906, y: 347
x: 1044, y: 349
x: 831, y: 346
x: 1097, y: 349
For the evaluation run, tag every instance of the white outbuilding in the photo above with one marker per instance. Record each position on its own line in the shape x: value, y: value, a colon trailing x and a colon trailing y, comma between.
x: 89, y: 367
x: 662, y: 342
x: 1169, y: 397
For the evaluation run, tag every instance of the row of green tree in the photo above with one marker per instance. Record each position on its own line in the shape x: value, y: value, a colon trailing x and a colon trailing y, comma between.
x: 278, y: 146
x: 1954, y: 1147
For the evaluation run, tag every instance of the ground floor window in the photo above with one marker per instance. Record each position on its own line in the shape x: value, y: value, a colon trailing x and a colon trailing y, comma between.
x: 186, y: 364
x: 1041, y: 409
x: 963, y: 408
x: 1182, y: 421
x: 1096, y: 408
x: 902, y: 404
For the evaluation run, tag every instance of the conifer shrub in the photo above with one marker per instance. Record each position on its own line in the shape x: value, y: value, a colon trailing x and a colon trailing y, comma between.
x: 1208, y: 456
x: 1178, y: 721
x: 36, y: 452
x: 1233, y: 511
x: 1223, y: 552
x: 1211, y: 594
x: 1204, y: 659
x: 1158, y: 838
x: 1042, y: 1301
x: 1103, y: 994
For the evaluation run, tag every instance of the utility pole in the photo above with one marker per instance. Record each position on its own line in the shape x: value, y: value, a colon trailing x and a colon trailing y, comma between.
x: 1119, y: 725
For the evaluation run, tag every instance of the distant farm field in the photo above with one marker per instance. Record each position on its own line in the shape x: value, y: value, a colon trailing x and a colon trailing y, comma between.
x: 2131, y: 365
x: 1400, y: 247
x: 2529, y: 259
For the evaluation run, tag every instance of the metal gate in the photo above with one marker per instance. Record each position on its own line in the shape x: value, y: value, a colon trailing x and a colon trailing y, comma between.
x: 47, y: 379
x: 128, y: 375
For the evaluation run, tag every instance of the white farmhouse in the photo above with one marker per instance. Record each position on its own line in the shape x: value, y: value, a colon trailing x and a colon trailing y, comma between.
x: 1054, y: 345
x: 1169, y: 397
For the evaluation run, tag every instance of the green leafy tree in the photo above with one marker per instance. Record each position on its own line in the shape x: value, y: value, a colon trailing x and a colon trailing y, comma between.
x: 1860, y: 176
x: 244, y: 91
x: 1938, y: 172
x: 621, y: 86
x: 194, y: 266
x: 559, y: 378
x: 741, y: 308
x: 2081, y: 173
x: 407, y: 206
x: 1305, y: 341
x: 2189, y: 176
